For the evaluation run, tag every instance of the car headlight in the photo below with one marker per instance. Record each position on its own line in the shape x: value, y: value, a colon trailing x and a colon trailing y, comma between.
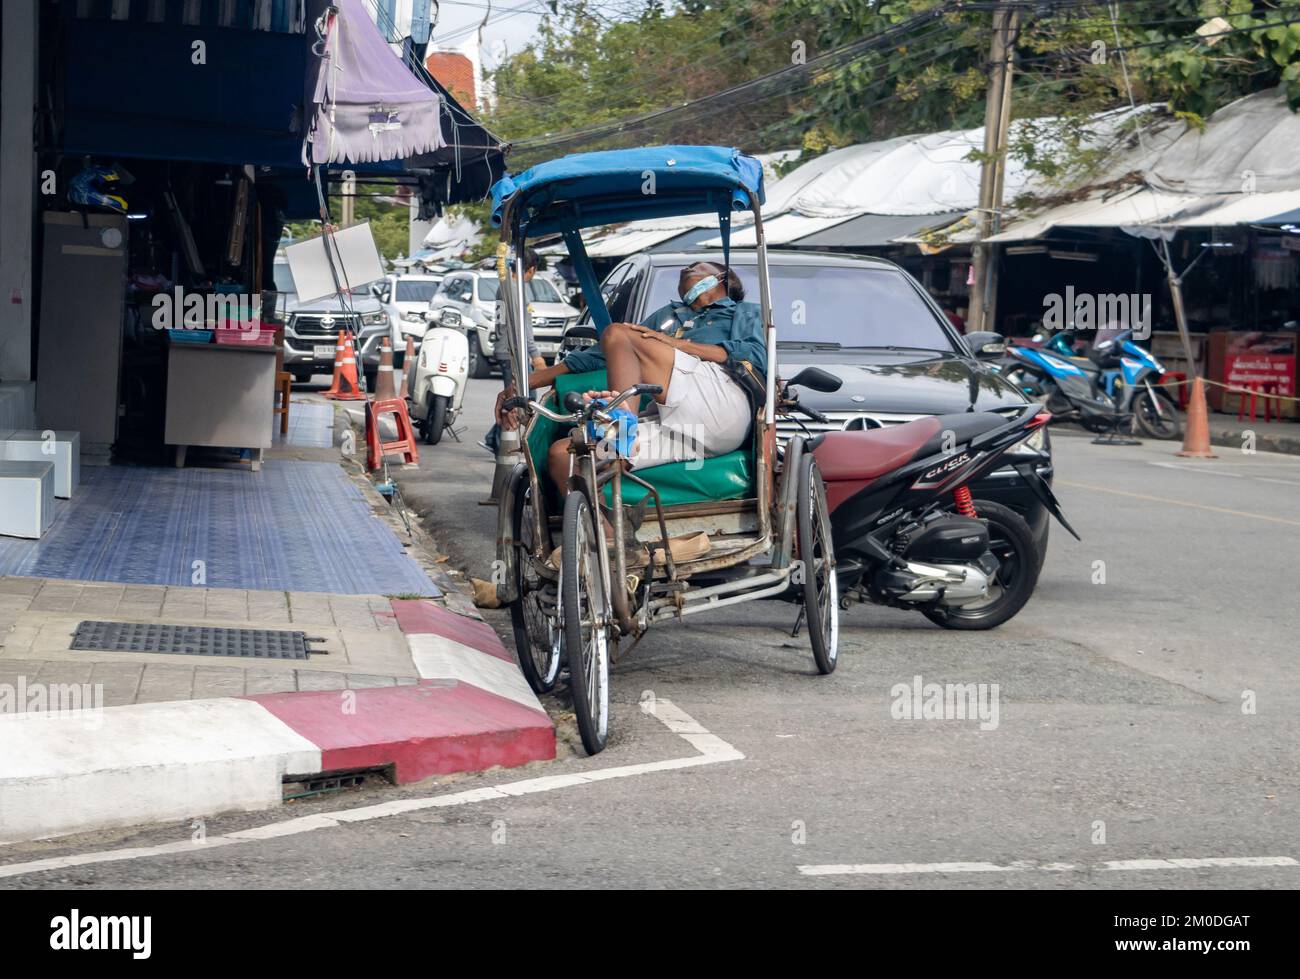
x: 414, y: 316
x: 374, y: 319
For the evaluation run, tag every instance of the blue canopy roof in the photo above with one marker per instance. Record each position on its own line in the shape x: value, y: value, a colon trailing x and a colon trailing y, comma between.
x: 588, y: 189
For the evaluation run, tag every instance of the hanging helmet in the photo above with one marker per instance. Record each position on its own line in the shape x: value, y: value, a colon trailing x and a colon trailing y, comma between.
x: 91, y: 188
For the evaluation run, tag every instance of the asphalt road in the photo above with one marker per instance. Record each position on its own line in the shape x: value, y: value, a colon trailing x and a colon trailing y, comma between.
x: 1147, y: 712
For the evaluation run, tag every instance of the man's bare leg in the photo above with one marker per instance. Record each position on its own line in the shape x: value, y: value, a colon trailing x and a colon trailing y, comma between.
x: 632, y: 358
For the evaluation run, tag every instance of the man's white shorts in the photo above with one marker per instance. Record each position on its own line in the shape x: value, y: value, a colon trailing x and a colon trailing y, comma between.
x: 705, y: 413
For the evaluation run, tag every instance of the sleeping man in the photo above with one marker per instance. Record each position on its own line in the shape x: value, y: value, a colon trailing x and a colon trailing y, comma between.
x: 687, y: 348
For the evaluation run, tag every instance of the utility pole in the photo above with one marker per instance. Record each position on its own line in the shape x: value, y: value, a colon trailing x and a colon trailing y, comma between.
x: 348, y: 199
x: 981, y: 314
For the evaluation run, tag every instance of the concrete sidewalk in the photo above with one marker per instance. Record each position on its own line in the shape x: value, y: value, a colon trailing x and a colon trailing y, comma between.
x: 1275, y: 436
x: 91, y: 740
x: 408, y: 687
x: 1225, y: 431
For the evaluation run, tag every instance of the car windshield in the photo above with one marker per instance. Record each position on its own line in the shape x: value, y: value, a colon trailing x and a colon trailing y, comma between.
x: 539, y: 290
x: 834, y: 305
x: 283, y: 280
x: 416, y: 290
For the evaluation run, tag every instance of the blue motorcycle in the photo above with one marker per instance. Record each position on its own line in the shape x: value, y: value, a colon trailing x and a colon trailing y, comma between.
x: 1112, y: 390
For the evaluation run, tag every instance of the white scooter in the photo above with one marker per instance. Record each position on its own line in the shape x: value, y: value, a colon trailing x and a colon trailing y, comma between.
x: 436, y: 380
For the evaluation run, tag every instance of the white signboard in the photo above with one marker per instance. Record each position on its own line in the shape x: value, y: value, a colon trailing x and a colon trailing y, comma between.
x: 356, y: 262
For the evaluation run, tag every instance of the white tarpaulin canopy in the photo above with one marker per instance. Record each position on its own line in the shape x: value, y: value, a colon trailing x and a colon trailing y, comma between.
x: 1244, y: 166
x: 935, y: 173
x: 448, y: 238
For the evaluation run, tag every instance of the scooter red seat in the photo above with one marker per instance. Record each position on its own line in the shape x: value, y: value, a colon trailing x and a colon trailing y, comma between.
x: 868, y: 454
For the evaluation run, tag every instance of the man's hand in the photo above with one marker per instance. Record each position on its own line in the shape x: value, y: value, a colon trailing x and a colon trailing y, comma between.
x: 506, y: 419
x: 539, y: 363
x: 650, y: 332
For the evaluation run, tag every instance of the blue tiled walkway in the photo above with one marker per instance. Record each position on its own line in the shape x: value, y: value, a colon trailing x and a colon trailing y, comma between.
x: 294, y: 526
x: 310, y: 424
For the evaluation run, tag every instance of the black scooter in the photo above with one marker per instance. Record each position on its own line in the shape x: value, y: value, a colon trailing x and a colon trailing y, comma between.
x: 906, y: 531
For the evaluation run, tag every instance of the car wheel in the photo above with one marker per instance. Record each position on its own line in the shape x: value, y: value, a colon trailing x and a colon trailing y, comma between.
x: 479, y: 366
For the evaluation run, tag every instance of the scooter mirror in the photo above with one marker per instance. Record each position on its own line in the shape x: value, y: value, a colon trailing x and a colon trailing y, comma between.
x: 816, y: 379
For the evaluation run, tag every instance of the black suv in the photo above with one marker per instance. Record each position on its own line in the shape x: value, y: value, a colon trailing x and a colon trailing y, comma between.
x: 867, y: 321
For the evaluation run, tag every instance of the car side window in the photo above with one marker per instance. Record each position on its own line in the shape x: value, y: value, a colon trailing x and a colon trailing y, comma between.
x: 607, y: 288
x: 618, y: 299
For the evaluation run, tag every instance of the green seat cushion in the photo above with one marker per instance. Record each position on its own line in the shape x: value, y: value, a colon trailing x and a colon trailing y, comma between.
x: 724, y: 477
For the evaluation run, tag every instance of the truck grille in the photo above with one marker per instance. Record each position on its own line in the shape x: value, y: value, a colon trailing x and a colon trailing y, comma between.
x: 312, y: 326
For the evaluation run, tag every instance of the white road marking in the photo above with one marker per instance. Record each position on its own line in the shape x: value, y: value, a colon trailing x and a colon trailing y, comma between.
x: 1206, y: 471
x: 1174, y: 863
x: 838, y: 869
x: 712, y: 750
x: 1184, y: 863
x: 1184, y: 503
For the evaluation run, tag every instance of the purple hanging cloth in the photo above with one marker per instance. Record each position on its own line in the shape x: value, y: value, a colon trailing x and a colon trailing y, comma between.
x: 367, y: 106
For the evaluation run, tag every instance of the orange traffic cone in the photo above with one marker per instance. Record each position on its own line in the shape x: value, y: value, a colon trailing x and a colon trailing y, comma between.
x: 403, y: 445
x: 1196, y: 441
x: 385, y: 390
x: 408, y: 368
x: 345, y: 386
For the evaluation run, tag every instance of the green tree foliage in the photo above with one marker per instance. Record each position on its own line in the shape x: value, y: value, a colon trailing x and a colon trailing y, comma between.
x: 389, y: 221
x: 585, y: 70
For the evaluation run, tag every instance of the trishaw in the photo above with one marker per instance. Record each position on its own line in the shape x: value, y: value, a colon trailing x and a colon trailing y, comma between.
x: 763, y: 513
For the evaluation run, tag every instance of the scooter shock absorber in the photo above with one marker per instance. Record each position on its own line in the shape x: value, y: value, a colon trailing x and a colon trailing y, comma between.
x: 965, y: 506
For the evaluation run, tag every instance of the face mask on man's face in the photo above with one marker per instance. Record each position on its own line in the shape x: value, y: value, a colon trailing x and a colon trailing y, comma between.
x: 699, y: 289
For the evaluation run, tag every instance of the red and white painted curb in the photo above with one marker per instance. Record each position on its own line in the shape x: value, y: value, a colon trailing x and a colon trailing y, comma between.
x: 470, y: 710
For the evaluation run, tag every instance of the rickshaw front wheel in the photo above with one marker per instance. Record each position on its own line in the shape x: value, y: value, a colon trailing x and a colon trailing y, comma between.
x: 586, y: 615
x: 817, y: 567
x: 537, y: 643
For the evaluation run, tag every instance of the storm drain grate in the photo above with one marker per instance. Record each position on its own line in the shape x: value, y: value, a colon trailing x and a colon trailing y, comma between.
x: 193, y: 640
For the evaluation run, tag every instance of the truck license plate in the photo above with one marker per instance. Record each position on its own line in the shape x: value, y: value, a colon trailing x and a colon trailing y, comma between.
x: 324, y: 352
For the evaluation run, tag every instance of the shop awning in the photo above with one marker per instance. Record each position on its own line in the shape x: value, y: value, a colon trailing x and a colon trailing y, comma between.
x: 132, y: 89
x: 1134, y: 207
x: 366, y: 106
x: 1234, y: 209
x: 1289, y: 219
x: 876, y: 230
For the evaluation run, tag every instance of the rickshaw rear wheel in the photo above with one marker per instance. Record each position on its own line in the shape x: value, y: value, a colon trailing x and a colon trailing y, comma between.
x: 821, y: 598
x: 536, y: 638
x: 586, y: 612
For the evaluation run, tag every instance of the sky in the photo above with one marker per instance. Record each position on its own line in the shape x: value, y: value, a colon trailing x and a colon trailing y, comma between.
x: 512, y: 24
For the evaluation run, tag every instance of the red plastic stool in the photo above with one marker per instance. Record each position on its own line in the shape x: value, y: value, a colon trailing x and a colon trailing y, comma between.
x: 1265, y: 390
x: 403, y: 445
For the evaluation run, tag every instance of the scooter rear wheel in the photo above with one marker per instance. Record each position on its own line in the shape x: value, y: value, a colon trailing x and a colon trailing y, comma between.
x: 435, y: 418
x: 1012, y: 543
